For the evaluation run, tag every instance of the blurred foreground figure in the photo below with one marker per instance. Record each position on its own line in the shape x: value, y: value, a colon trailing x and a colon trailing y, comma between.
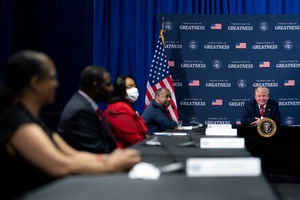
x: 30, y: 153
x: 82, y: 124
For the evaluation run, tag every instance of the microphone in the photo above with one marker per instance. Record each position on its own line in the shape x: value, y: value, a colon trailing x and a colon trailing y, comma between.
x: 200, y: 129
x: 190, y: 143
x: 188, y: 109
x: 199, y: 124
x: 175, y: 165
x: 180, y: 113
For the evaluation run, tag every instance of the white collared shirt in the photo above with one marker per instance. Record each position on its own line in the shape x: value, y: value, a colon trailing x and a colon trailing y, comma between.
x: 89, y: 99
x: 264, y: 106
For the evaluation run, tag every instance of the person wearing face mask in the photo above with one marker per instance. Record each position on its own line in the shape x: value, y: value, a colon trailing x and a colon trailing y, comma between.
x: 127, y: 126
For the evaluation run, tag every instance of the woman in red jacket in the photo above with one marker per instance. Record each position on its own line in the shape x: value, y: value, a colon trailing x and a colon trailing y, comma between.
x: 127, y: 126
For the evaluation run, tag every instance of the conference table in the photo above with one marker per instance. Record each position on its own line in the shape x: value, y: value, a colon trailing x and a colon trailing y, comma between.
x: 175, y: 185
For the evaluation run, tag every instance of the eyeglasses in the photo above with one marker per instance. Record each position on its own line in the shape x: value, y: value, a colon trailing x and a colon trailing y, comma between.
x: 53, y: 77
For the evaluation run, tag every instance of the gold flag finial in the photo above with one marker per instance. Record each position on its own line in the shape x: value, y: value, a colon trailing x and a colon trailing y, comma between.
x: 161, y: 33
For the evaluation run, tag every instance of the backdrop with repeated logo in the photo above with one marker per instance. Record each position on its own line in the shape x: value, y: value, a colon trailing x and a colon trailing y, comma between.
x: 217, y: 61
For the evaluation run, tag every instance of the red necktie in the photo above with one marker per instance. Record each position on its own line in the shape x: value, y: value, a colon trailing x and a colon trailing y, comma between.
x: 262, y: 111
x: 104, y: 123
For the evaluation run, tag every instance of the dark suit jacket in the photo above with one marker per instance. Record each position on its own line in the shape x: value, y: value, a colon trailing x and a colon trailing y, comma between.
x: 157, y: 118
x: 251, y: 111
x: 81, y: 128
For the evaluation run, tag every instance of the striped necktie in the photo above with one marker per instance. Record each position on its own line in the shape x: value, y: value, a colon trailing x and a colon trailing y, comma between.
x: 262, y: 111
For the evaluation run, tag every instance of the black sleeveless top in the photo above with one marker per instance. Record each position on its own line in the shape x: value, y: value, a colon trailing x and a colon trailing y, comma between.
x: 16, y: 174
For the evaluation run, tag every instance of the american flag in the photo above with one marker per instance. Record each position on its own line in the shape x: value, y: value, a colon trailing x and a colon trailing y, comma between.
x: 160, y: 76
x: 171, y: 63
x: 194, y: 83
x: 289, y: 82
x: 217, y: 102
x: 241, y: 45
x: 216, y: 26
x: 264, y: 64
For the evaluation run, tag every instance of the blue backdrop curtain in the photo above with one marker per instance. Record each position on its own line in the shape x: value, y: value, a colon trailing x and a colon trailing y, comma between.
x: 117, y: 34
x: 62, y: 29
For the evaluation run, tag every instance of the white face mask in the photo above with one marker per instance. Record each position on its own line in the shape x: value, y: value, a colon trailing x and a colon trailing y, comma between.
x: 133, y: 94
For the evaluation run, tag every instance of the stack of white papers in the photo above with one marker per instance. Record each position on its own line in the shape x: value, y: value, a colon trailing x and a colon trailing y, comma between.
x: 170, y: 134
x: 220, y: 130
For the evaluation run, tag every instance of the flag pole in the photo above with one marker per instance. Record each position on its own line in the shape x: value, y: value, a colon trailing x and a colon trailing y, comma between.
x: 162, y: 31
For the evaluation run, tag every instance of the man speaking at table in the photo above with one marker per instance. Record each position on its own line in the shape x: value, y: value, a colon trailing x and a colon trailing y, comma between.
x: 261, y: 106
x: 156, y: 115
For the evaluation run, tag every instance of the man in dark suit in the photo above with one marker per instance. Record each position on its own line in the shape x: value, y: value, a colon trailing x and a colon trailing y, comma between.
x: 261, y: 106
x: 82, y: 124
x: 156, y: 115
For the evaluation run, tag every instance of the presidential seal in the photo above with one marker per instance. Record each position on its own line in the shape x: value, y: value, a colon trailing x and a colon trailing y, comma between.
x: 266, y: 127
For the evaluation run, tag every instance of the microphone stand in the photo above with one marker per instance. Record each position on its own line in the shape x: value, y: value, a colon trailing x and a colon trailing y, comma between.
x: 190, y: 143
x: 200, y: 125
x: 175, y: 165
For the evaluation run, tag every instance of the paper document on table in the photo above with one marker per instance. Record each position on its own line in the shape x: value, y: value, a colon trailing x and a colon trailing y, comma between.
x: 169, y: 133
x: 163, y: 133
x: 220, y: 132
x: 185, y: 127
x: 177, y: 133
x: 189, y: 126
x: 219, y: 126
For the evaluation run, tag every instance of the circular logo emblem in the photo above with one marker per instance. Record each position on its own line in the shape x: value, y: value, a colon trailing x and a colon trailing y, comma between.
x: 242, y: 83
x: 194, y: 120
x: 216, y: 64
x: 289, y: 120
x: 288, y: 45
x: 168, y: 25
x: 195, y: 167
x: 266, y: 127
x: 193, y: 45
x: 263, y: 26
